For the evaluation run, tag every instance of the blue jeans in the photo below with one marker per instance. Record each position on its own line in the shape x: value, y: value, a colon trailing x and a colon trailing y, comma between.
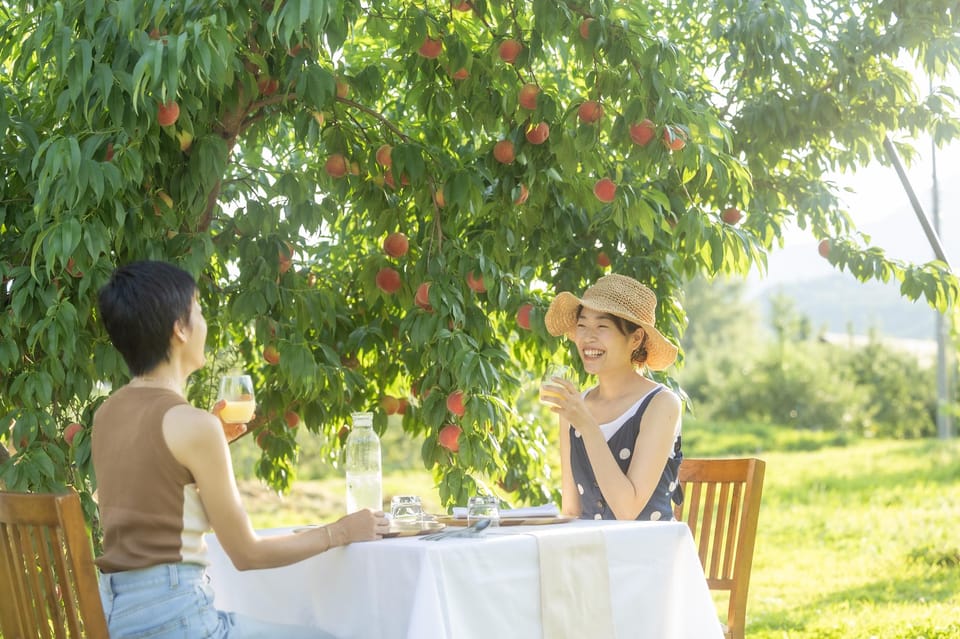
x: 175, y: 601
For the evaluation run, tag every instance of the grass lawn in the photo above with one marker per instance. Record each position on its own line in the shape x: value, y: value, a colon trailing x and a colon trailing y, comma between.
x: 855, y: 542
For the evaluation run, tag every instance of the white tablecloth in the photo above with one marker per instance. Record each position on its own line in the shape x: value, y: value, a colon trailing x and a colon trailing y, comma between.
x: 476, y: 587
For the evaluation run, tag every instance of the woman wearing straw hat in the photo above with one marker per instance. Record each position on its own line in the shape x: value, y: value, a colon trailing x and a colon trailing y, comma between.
x: 620, y: 439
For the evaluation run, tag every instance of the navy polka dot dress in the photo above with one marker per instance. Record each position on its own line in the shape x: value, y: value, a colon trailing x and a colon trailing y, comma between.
x: 621, y: 443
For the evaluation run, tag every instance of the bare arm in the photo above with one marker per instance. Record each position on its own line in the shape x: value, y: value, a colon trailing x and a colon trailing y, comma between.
x: 196, y: 439
x: 570, y: 497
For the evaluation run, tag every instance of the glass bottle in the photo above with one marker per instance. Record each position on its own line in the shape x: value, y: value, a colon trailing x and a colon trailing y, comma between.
x: 364, y: 478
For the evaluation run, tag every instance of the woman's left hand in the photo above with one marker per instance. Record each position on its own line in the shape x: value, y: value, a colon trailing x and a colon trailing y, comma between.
x: 231, y: 430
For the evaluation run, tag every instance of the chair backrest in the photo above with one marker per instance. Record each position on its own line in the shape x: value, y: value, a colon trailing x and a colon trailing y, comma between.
x: 46, y: 569
x: 722, y: 506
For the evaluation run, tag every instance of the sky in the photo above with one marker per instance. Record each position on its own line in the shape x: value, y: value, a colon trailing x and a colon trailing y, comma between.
x: 880, y: 207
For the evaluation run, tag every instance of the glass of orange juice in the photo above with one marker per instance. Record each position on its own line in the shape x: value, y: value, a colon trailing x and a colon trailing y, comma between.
x: 236, y: 390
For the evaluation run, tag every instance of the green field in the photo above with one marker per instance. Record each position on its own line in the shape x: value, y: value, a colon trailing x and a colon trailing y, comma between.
x: 856, y: 542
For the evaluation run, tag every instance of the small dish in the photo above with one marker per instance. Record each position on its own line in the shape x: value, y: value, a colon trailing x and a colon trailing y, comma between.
x: 412, y: 531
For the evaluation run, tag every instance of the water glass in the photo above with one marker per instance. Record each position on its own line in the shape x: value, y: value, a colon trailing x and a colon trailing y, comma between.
x: 406, y: 510
x: 483, y: 507
x: 557, y: 370
x: 236, y: 390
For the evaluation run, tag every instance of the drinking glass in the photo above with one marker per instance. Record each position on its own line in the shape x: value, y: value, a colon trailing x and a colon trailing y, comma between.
x: 406, y: 510
x: 236, y: 390
x: 556, y: 370
x: 483, y: 507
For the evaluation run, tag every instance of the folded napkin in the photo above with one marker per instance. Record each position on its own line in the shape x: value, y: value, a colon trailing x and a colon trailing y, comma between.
x: 546, y: 510
x: 574, y: 584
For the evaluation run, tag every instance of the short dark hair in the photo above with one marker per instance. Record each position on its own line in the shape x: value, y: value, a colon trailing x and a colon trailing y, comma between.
x: 140, y: 306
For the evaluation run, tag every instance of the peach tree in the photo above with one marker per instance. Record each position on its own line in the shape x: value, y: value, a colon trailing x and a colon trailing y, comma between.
x: 506, y: 149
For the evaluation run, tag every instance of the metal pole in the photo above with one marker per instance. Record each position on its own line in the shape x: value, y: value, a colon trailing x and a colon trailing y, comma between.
x: 944, y: 387
x: 944, y: 427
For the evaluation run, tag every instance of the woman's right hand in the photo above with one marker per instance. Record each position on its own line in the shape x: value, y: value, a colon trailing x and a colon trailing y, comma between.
x: 363, y: 525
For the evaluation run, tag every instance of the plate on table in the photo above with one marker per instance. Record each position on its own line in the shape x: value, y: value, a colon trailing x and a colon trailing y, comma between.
x: 424, y: 528
x: 510, y: 521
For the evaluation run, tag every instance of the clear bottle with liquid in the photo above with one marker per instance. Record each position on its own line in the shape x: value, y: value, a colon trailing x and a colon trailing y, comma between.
x: 364, y: 477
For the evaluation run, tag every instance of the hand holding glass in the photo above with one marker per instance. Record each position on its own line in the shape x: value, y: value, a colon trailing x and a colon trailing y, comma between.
x: 236, y: 391
x: 559, y: 371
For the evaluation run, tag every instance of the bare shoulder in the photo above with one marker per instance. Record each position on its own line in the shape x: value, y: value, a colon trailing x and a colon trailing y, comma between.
x: 186, y: 424
x: 666, y: 402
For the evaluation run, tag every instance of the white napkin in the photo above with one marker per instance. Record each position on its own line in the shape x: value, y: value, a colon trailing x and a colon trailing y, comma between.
x: 546, y: 510
x: 574, y: 584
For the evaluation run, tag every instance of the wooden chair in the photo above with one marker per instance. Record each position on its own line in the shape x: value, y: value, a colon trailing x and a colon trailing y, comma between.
x: 721, y: 506
x: 47, y: 572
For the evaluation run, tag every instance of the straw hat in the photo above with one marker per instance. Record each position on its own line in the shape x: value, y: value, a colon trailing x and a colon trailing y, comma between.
x: 617, y: 295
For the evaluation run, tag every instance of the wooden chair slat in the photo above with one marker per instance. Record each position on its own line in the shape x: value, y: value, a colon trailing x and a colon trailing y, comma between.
x: 722, y: 508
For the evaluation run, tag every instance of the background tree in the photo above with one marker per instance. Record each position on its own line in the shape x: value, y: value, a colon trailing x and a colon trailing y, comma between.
x: 519, y: 147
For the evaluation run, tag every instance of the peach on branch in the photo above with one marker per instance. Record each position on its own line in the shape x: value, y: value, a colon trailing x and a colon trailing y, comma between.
x: 590, y: 111
x: 605, y: 190
x: 168, y: 113
x: 390, y: 404
x: 70, y: 432
x: 291, y: 418
x: 388, y: 280
x: 449, y: 437
x: 509, y: 49
x: 431, y: 48
x: 336, y: 166
x: 385, y: 156
x: 731, y: 215
x: 584, y: 28
x: 603, y: 261
x: 642, y: 132
x: 527, y: 96
x: 460, y: 74
x: 522, y: 193
x: 271, y: 354
x: 538, y: 134
x: 823, y: 248
x: 455, y: 403
x: 475, y: 283
x: 396, y: 244
x: 422, y: 297
x: 523, y: 316
x: 343, y: 89
x: 673, y: 138
x: 503, y: 151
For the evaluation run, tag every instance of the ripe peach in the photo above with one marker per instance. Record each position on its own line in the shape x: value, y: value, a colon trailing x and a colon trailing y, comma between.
x: 522, y: 195
x: 70, y: 432
x: 108, y: 155
x: 388, y: 280
x: 449, y: 437
x: 475, y: 283
x: 396, y: 244
x: 585, y: 28
x: 642, y: 132
x: 461, y: 6
x: 431, y: 48
x: 673, y: 138
x: 343, y: 89
x: 590, y: 111
x: 460, y: 74
x: 455, y: 402
x: 390, y: 404
x: 336, y: 166
x: 271, y: 354
x: 823, y: 248
x: 385, y: 156
x: 503, y: 151
x: 605, y: 190
x: 168, y: 113
x: 603, y: 260
x: 539, y: 133
x: 523, y: 316
x: 731, y: 215
x: 292, y: 419
x: 422, y: 297
x: 267, y: 85
x: 528, y: 96
x: 509, y: 50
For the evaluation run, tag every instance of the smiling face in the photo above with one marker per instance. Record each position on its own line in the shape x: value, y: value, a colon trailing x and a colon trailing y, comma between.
x: 603, y: 347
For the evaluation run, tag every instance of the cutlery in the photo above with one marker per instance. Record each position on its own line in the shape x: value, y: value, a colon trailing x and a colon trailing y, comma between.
x: 473, y: 530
